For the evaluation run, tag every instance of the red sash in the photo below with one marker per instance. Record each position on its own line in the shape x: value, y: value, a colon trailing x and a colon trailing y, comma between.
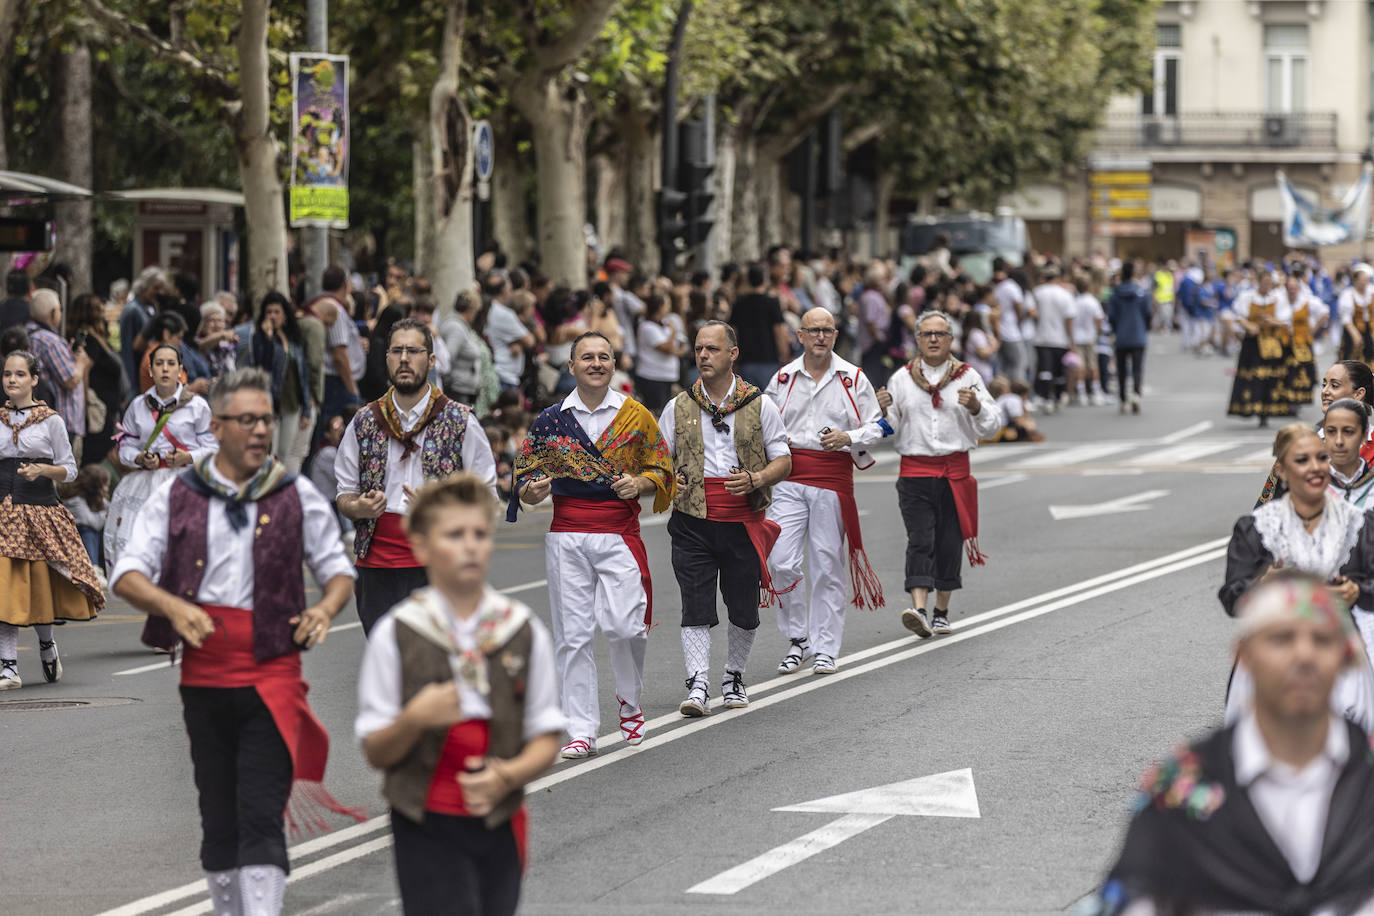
x: 466, y: 739
x: 834, y: 471
x: 608, y: 516
x: 390, y: 546
x: 763, y: 533
x: 954, y: 468
x: 226, y: 660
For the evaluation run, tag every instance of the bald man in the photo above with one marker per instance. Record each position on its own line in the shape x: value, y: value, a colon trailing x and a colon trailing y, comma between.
x: 831, y: 412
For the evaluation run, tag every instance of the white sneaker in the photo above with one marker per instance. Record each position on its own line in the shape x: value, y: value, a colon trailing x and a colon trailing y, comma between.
x: 915, y: 620
x: 824, y: 664
x: 9, y: 674
x: 732, y: 690
x: 698, y: 702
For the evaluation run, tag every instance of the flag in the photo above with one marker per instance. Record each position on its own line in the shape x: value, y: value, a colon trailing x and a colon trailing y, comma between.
x: 1308, y: 225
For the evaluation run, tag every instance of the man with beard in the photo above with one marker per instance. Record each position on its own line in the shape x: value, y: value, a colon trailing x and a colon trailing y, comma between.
x: 1274, y: 814
x: 599, y: 453
x: 411, y: 434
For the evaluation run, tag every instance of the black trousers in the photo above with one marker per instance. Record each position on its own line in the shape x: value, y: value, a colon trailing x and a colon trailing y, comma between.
x: 934, y: 542
x: 653, y: 394
x: 455, y: 866
x: 1050, y: 381
x: 706, y: 552
x: 243, y: 774
x: 1135, y: 358
x: 379, y: 590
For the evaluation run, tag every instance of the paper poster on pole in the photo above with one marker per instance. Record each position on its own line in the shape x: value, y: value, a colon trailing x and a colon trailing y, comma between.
x: 319, y: 140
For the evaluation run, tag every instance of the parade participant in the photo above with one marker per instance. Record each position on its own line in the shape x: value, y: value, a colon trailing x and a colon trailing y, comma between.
x: 45, y: 572
x: 217, y: 561
x: 1355, y: 309
x: 940, y: 410
x: 598, y: 452
x: 1346, y: 379
x: 165, y: 429
x: 1264, y: 317
x: 725, y: 476
x: 411, y: 434
x: 830, y: 412
x: 458, y: 706
x: 1307, y: 311
x: 1309, y: 529
x: 1345, y: 428
x: 1270, y: 814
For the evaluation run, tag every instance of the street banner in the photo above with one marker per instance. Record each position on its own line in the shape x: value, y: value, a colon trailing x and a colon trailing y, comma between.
x: 1306, y: 224
x: 319, y: 140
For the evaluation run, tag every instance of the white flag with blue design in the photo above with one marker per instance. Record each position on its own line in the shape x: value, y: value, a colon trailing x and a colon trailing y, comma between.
x: 1307, y: 224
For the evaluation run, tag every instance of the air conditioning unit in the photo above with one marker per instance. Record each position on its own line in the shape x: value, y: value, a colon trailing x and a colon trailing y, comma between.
x: 1153, y: 133
x: 1280, y: 130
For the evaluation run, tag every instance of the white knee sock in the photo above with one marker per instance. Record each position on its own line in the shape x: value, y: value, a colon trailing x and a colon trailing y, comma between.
x: 696, y: 649
x: 740, y: 642
x: 224, y: 892
x: 44, y: 631
x: 9, y: 641
x: 263, y: 888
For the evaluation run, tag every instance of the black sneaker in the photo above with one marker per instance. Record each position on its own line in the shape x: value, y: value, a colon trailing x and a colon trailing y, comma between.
x: 939, y: 625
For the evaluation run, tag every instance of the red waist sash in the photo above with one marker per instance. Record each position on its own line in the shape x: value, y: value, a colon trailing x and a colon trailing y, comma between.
x: 608, y: 516
x: 464, y: 740
x: 834, y: 471
x: 953, y: 467
x: 226, y: 660
x: 390, y: 546
x: 763, y: 533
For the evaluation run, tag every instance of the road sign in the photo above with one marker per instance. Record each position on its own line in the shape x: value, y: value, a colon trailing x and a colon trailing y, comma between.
x: 484, y: 150
x: 1120, y: 195
x: 1133, y: 503
x: 942, y: 795
x: 1118, y: 178
x: 1125, y: 212
x: 1123, y: 229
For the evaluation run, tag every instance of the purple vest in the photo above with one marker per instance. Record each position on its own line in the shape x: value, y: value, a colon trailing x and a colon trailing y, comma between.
x: 278, y: 576
x: 441, y: 454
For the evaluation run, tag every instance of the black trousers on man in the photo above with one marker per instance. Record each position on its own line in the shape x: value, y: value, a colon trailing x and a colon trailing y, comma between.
x: 379, y: 590
x: 1132, y: 358
x: 934, y: 541
x: 1050, y: 380
x: 706, y: 552
x: 243, y: 774
x: 456, y: 866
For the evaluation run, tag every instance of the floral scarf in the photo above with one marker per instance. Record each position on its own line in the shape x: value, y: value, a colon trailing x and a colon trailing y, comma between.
x: 38, y: 412
x: 952, y: 374
x: 385, y: 407
x: 272, y: 477
x: 741, y: 394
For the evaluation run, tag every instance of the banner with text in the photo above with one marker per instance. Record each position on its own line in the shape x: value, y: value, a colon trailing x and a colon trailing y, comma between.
x: 319, y: 140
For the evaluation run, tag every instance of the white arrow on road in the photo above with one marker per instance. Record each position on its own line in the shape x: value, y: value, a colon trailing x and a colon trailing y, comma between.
x: 941, y: 795
x: 1132, y: 503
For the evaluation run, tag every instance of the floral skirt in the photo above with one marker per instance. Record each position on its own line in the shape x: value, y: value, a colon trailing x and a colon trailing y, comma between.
x: 45, y: 572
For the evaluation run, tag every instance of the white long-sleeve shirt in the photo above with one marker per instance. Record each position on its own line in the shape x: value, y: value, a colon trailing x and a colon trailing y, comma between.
x: 922, y: 429
x: 189, y: 425
x: 721, y: 454
x: 44, y: 442
x: 228, y: 579
x: 402, y: 472
x: 1350, y: 299
x: 808, y: 406
x: 1276, y: 297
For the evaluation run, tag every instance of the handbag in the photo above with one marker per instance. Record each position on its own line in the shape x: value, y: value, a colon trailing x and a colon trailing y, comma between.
x: 97, y: 412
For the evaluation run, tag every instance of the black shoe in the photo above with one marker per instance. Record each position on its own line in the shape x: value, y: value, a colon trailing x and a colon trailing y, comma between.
x: 52, y: 670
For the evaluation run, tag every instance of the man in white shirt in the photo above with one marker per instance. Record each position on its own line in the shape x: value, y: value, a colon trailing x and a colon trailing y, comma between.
x: 1012, y: 302
x: 1277, y: 812
x: 1054, y: 310
x: 507, y: 334
x: 831, y: 412
x: 411, y: 434
x: 344, y: 358
x: 729, y: 449
x: 940, y: 409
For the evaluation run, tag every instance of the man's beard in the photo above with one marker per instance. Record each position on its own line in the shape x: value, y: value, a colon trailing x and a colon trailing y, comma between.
x: 411, y: 387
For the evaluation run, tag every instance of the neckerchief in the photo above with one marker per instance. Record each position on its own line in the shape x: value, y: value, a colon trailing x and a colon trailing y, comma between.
x: 390, y: 417
x: 955, y: 370
x: 741, y: 394
x: 272, y: 477
x: 38, y: 412
x: 498, y: 619
x: 163, y: 412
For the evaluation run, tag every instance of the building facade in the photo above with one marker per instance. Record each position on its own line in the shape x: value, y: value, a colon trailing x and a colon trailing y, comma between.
x: 1242, y: 88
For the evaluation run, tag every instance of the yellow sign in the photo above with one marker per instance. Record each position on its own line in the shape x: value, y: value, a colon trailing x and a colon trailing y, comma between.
x: 1120, y: 195
x: 1120, y: 213
x: 1121, y: 178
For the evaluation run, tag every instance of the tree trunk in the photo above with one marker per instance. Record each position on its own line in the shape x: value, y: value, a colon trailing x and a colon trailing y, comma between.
x: 610, y: 199
x: 450, y: 266
x: 744, y: 218
x: 422, y: 186
x: 510, y: 195
x: 727, y: 145
x: 558, y: 117
x: 882, y: 216
x: 768, y: 177
x: 256, y: 148
x: 639, y: 157
x: 73, y: 218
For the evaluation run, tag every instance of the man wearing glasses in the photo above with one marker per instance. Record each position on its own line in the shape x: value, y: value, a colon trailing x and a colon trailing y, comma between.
x: 729, y: 448
x: 940, y: 409
x: 410, y: 435
x: 830, y: 411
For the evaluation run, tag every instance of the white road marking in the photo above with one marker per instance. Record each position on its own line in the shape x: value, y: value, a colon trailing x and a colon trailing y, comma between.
x: 1133, y: 503
x: 1111, y: 472
x: 1261, y: 456
x: 1178, y: 454
x: 1079, y: 454
x: 1187, y: 431
x: 789, y: 854
x: 1039, y: 605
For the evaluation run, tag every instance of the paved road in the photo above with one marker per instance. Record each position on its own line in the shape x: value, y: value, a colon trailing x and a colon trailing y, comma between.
x: 1081, y: 652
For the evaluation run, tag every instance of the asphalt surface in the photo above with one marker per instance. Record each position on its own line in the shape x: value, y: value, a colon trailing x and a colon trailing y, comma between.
x: 1086, y: 647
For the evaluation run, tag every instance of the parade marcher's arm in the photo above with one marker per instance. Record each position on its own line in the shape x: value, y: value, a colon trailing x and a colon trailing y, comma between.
x: 987, y: 420
x: 206, y: 443
x: 132, y: 447
x: 1246, y: 562
x: 62, y: 468
x: 329, y: 565
x: 477, y: 456
x: 1359, y: 568
x: 351, y: 503
x: 386, y: 729
x: 869, y: 429
x: 775, y: 449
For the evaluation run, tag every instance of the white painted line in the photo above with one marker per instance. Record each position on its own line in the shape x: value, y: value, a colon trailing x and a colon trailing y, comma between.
x: 1111, y: 472
x: 789, y: 854
x: 1070, y: 595
x: 528, y: 586
x: 346, y: 626
x: 1133, y: 503
x: 1178, y: 454
x: 155, y: 666
x: 1080, y: 454
x: 1186, y: 432
x: 996, y: 482
x: 1260, y: 456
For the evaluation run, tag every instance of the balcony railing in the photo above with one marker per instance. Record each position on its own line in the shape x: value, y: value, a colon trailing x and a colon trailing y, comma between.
x: 1220, y: 130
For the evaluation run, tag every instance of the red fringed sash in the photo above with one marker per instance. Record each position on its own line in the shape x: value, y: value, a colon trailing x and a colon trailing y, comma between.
x: 608, y: 516
x: 954, y: 468
x: 834, y: 471
x: 763, y: 533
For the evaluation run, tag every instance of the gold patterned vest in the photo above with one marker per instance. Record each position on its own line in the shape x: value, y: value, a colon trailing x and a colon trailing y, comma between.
x: 689, y: 453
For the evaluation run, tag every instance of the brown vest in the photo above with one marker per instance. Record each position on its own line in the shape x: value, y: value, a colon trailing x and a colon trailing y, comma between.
x: 406, y: 785
x: 689, y: 453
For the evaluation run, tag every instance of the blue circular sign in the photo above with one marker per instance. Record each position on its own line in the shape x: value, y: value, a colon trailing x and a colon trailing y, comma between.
x: 484, y: 150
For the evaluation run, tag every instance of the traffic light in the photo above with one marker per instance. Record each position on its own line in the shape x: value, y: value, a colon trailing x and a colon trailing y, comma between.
x: 696, y: 179
x: 672, y: 227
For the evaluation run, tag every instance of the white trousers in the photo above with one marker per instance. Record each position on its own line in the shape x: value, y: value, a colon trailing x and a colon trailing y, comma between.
x: 594, y: 581
x: 290, y: 442
x: 811, y: 525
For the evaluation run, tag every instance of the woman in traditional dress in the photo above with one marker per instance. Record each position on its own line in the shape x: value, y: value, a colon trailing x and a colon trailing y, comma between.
x: 1345, y: 429
x: 165, y: 428
x: 1348, y: 378
x: 45, y: 573
x: 1263, y: 314
x: 1355, y: 307
x: 1311, y: 529
x: 1307, y: 312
